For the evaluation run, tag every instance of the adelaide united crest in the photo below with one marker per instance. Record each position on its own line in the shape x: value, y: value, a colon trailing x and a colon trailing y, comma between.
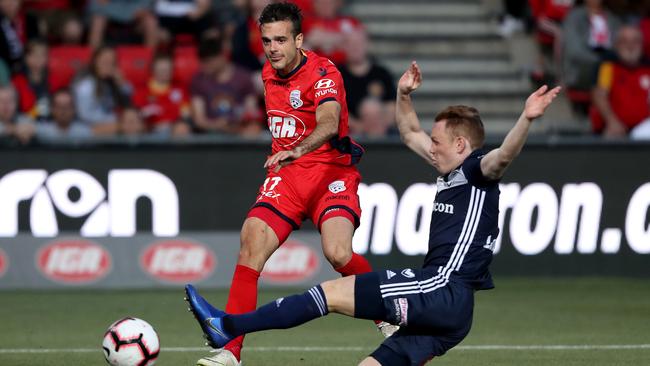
x: 294, y: 99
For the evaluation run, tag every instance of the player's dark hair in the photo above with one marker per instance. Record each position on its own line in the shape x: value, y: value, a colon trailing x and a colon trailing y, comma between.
x: 283, y: 12
x: 464, y: 121
x: 210, y: 47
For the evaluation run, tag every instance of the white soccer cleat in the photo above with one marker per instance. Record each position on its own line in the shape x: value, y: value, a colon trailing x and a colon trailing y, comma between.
x: 222, y: 358
x: 387, y: 329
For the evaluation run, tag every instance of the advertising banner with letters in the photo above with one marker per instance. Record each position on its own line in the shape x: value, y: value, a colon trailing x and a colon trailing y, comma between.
x: 166, y: 215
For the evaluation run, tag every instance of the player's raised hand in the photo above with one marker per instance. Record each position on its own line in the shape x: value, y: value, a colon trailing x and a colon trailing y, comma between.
x: 411, y: 80
x: 537, y: 102
x: 281, y: 159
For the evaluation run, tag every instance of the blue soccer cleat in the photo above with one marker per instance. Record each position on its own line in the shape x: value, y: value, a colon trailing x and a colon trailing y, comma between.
x: 209, y: 318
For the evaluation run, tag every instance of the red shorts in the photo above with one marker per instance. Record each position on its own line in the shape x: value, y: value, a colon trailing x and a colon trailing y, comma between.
x: 315, y: 191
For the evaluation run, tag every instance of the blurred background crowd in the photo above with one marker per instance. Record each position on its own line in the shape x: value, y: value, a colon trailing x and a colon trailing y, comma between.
x: 83, y: 70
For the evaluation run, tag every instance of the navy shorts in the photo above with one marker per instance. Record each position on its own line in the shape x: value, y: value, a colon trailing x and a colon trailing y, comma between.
x: 434, y: 314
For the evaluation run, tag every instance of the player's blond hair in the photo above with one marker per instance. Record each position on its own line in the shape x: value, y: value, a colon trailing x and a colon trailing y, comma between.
x: 464, y: 121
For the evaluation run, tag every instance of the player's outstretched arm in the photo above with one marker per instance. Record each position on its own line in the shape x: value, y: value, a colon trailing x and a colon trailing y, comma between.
x: 327, y: 126
x: 407, y: 120
x: 495, y: 163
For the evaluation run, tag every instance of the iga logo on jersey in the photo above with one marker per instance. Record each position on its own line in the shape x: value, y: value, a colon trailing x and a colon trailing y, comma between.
x: 286, y: 127
x: 293, y: 262
x: 4, y: 263
x: 337, y: 186
x: 324, y: 84
x: 73, y: 261
x: 178, y: 261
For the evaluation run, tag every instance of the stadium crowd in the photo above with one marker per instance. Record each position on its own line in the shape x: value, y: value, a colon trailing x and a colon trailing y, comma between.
x: 76, y: 70
x: 599, y: 50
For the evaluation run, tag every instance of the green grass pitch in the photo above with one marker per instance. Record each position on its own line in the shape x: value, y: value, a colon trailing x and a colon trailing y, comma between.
x: 611, y: 314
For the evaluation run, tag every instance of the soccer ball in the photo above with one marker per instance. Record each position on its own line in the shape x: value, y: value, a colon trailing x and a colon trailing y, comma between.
x: 131, y: 342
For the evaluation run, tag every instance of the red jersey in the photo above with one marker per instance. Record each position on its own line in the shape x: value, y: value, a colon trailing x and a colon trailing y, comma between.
x: 629, y: 92
x: 161, y: 104
x: 291, y: 102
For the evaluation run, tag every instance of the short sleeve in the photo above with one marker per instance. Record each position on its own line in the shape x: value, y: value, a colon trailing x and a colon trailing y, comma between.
x: 472, y: 169
x: 329, y: 86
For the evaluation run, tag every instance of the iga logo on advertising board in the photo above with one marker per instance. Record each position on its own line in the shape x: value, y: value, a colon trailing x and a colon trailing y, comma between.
x: 178, y: 261
x: 293, y: 262
x: 73, y: 261
x: 4, y: 263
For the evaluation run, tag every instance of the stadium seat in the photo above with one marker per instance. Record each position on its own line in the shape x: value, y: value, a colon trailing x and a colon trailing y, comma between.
x: 64, y: 62
x: 186, y: 64
x: 134, y: 63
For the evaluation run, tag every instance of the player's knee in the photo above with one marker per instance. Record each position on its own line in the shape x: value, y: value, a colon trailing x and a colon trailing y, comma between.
x: 249, y: 257
x: 256, y: 247
x: 337, y: 255
x: 339, y: 294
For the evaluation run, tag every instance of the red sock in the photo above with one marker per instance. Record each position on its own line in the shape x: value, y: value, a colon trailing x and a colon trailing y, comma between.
x: 241, y: 299
x: 357, y: 265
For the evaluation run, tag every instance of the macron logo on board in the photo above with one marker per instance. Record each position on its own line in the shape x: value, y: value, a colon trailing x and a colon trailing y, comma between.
x: 107, y: 211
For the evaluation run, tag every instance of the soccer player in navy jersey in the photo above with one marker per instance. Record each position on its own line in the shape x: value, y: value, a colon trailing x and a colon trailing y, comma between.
x: 432, y: 305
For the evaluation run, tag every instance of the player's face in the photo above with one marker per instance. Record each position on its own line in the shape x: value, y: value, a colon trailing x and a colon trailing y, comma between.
x: 281, y: 48
x: 444, y: 148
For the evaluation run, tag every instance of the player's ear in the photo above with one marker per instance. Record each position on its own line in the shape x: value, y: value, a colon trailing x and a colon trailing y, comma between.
x: 461, y: 144
x: 299, y: 38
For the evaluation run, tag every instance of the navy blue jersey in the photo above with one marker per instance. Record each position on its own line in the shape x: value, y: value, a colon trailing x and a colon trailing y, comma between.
x: 464, y: 225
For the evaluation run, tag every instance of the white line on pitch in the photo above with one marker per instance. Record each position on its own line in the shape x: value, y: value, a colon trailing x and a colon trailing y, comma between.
x: 505, y: 347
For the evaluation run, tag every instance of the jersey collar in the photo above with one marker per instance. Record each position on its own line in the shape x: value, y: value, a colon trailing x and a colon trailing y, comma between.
x: 294, y: 71
x: 473, y: 154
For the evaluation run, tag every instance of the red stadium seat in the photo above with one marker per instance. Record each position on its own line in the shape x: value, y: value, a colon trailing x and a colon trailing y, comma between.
x: 134, y: 63
x: 186, y: 64
x: 64, y: 62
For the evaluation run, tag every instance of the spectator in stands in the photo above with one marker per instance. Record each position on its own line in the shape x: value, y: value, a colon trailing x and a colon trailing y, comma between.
x: 13, y: 126
x: 16, y: 28
x: 364, y: 78
x: 63, y: 124
x: 588, y: 33
x: 32, y: 85
x: 102, y: 94
x: 131, y: 124
x: 164, y: 106
x: 127, y: 13
x: 223, y: 96
x: 72, y: 32
x: 374, y: 121
x: 247, y: 50
x: 325, y: 31
x: 623, y: 91
x: 183, y: 17
x: 548, y: 16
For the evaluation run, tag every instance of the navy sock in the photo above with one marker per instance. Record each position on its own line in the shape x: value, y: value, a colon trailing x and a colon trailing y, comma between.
x: 286, y: 312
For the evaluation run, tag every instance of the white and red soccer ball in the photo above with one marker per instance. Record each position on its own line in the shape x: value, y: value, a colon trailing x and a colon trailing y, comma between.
x: 131, y: 342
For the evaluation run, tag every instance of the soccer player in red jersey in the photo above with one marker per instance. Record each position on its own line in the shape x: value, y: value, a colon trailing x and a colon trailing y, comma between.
x: 311, y: 171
